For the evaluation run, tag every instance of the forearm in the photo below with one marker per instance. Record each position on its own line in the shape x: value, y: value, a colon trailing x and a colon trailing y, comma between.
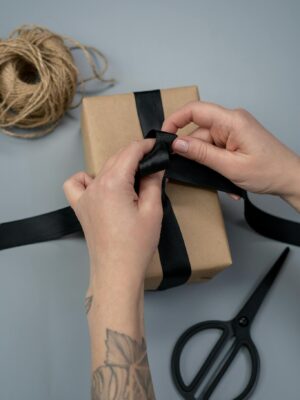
x: 120, y: 366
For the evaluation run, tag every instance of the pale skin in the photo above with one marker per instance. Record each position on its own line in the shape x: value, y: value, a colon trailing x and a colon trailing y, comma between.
x: 122, y: 229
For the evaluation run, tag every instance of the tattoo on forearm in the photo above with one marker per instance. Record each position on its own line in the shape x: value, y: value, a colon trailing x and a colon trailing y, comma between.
x: 88, y: 303
x: 125, y: 374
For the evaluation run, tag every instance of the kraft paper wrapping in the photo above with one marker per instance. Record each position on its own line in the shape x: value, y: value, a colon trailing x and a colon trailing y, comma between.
x: 111, y: 122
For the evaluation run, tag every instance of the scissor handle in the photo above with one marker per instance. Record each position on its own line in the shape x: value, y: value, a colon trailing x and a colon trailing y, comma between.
x: 189, y: 391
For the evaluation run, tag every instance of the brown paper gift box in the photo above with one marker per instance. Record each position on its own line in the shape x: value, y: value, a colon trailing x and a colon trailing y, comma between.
x: 111, y: 122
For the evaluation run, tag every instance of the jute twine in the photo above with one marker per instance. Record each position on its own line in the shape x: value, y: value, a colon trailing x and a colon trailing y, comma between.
x: 39, y: 79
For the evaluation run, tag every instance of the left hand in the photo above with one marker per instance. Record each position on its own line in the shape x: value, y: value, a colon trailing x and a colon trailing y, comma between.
x: 121, y: 228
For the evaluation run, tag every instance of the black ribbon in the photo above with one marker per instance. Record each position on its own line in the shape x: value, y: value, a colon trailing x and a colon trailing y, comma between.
x: 173, y: 254
x: 174, y: 259
x: 191, y: 173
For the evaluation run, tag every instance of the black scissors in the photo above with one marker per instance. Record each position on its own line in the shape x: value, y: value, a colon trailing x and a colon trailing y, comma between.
x: 238, y: 330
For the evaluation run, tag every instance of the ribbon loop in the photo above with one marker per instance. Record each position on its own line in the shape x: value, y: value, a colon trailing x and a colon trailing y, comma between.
x: 159, y: 157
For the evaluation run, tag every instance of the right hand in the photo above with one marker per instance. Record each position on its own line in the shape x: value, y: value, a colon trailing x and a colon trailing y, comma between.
x: 236, y: 145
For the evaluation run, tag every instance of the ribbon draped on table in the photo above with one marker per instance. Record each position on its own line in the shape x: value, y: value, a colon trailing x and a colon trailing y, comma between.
x: 173, y: 254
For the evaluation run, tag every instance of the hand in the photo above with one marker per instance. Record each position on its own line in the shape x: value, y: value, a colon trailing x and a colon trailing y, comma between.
x: 236, y: 145
x: 122, y: 232
x: 121, y: 228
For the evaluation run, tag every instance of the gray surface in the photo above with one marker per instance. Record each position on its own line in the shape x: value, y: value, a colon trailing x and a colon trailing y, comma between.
x: 240, y: 53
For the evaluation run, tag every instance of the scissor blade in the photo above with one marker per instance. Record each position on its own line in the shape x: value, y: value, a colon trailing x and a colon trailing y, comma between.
x: 251, y: 307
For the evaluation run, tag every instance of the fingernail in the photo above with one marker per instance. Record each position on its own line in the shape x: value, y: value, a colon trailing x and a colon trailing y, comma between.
x: 181, y: 145
x: 235, y: 196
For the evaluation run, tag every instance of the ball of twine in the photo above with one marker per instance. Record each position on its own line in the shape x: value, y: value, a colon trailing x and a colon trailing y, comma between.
x: 39, y: 79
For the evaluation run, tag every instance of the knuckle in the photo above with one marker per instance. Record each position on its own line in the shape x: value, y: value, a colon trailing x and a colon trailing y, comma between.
x: 199, y: 152
x: 78, y: 176
x: 131, y: 148
x: 192, y: 104
x: 66, y: 184
x: 241, y: 115
x: 135, y: 143
x: 240, y: 111
x: 153, y: 211
x: 107, y: 183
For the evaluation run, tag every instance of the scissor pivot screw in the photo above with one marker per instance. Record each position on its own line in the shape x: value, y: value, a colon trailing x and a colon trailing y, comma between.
x: 243, y: 321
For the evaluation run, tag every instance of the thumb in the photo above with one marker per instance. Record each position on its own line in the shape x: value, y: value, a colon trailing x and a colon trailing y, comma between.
x: 75, y: 186
x: 204, y: 153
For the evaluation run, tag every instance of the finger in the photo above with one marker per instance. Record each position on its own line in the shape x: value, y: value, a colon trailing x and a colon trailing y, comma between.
x: 202, y: 114
x: 110, y: 162
x: 205, y: 153
x: 234, y: 196
x: 127, y: 162
x: 75, y: 186
x: 203, y: 134
x: 150, y: 191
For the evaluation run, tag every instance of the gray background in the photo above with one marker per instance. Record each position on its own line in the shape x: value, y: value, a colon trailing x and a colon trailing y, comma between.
x: 241, y: 54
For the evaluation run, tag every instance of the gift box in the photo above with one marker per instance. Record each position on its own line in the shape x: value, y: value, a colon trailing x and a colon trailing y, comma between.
x: 111, y: 122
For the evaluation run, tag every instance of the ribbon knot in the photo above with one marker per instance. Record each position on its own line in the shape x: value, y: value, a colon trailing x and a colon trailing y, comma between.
x: 158, y: 158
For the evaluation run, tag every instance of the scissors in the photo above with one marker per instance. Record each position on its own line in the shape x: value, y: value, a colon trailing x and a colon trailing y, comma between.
x: 236, y: 330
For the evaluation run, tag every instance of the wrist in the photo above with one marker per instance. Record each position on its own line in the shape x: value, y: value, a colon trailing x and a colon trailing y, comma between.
x: 292, y: 192
x: 121, y: 296
x: 117, y: 277
x: 118, y: 266
x: 122, y: 301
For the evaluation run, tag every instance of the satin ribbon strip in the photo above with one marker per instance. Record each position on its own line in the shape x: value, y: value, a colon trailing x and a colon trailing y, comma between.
x: 174, y: 259
x: 277, y: 228
x: 56, y: 224
x: 40, y: 228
